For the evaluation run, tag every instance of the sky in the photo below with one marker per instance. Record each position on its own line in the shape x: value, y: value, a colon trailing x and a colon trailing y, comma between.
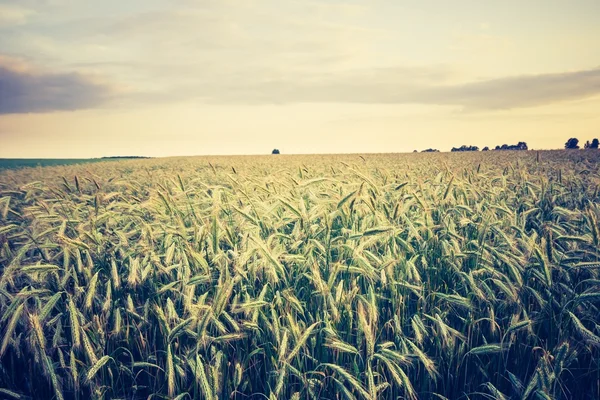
x: 82, y: 78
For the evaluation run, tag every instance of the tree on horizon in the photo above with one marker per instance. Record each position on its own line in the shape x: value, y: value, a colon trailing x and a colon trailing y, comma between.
x: 572, y: 144
x: 518, y: 146
x: 593, y: 145
x: 464, y: 147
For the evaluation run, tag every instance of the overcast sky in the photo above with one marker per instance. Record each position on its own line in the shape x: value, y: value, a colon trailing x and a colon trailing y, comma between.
x: 188, y: 77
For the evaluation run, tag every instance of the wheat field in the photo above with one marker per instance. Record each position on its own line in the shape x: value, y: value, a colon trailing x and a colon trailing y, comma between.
x: 407, y: 276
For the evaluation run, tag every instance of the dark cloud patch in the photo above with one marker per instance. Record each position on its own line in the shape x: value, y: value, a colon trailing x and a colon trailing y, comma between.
x: 517, y: 92
x: 427, y: 85
x: 23, y: 90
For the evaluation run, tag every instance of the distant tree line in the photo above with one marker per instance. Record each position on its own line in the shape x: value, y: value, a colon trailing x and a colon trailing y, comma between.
x: 593, y: 145
x: 573, y: 144
x: 464, y: 147
x: 518, y: 146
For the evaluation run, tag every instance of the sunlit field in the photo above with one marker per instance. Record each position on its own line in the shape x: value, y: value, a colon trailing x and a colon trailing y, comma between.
x: 409, y: 276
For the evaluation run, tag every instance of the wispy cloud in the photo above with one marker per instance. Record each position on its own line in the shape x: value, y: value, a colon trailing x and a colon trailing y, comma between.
x: 13, y: 15
x: 399, y: 85
x: 24, y: 89
x: 518, y: 91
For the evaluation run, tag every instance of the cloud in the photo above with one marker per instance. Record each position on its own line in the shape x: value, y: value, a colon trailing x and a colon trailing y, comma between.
x: 398, y: 85
x: 518, y: 91
x: 24, y: 89
x: 11, y: 15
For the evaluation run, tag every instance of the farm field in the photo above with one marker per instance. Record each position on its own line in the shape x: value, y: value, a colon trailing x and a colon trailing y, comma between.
x: 381, y: 276
x: 12, y: 163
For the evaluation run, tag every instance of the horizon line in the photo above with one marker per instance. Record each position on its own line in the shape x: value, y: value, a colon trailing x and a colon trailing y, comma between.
x: 113, y: 158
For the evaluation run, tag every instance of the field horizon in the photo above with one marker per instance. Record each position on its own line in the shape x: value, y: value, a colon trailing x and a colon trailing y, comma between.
x: 33, y: 162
